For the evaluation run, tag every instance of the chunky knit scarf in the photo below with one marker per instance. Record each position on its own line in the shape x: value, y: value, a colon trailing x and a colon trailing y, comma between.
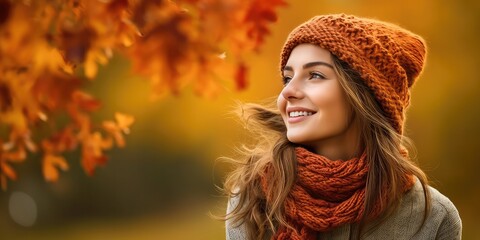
x: 327, y: 194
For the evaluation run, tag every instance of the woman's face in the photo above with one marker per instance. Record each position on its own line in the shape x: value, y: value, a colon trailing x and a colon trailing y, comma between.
x: 313, y: 104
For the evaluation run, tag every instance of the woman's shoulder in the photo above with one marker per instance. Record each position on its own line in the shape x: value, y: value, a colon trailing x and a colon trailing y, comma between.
x: 442, y: 209
x: 440, y: 204
x: 443, y: 217
x: 234, y: 231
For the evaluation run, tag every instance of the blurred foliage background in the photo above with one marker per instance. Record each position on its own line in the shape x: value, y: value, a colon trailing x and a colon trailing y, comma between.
x: 161, y: 186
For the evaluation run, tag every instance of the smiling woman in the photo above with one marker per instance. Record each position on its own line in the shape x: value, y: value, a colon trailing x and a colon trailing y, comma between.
x: 314, y: 106
x: 331, y: 161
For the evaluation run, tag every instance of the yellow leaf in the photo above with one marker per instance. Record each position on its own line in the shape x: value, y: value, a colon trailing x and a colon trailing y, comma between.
x: 102, y: 58
x: 113, y: 129
x: 16, y: 119
x: 91, y: 67
x: 127, y: 40
x: 124, y: 121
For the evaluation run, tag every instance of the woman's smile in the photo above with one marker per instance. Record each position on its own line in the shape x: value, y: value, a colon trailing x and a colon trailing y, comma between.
x: 298, y: 114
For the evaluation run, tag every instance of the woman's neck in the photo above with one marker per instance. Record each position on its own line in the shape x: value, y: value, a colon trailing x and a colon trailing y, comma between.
x: 341, y: 147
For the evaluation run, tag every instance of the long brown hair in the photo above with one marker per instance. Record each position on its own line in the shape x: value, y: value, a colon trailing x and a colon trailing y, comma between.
x: 386, y: 156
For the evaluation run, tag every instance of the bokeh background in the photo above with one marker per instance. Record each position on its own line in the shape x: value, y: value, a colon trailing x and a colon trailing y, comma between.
x: 162, y: 185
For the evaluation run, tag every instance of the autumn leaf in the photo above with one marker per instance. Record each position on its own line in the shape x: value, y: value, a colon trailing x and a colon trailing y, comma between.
x: 85, y: 101
x: 259, y: 14
x: 17, y: 156
x: 3, y: 181
x: 5, y: 8
x: 241, y: 76
x: 60, y: 142
x: 8, y: 171
x: 92, y: 152
x: 90, y: 163
x: 122, y: 125
x: 5, y: 97
x: 53, y: 92
x: 124, y: 122
x: 51, y: 164
x: 50, y: 48
x: 9, y: 153
x: 91, y: 67
x: 164, y: 49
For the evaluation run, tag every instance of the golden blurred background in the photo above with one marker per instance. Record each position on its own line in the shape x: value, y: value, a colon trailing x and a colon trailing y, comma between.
x: 161, y: 186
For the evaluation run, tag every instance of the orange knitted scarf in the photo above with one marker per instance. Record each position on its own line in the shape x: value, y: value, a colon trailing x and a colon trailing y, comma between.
x: 326, y: 194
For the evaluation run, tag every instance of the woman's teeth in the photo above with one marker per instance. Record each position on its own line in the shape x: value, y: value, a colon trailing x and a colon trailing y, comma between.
x: 300, y: 113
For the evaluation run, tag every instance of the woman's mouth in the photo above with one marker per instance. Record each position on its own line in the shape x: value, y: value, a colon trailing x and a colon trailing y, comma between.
x: 299, y: 114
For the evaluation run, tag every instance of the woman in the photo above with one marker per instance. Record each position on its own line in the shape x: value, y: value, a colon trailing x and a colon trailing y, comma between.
x: 331, y: 161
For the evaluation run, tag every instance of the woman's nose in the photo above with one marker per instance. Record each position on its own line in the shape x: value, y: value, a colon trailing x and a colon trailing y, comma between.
x: 293, y: 90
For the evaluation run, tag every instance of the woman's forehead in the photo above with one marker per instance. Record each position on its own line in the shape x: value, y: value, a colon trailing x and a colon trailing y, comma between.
x: 305, y: 53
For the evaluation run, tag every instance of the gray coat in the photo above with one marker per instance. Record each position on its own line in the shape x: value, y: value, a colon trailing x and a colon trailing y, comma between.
x: 443, y: 222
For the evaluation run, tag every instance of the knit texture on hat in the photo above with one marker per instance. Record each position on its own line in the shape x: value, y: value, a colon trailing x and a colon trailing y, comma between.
x: 388, y: 58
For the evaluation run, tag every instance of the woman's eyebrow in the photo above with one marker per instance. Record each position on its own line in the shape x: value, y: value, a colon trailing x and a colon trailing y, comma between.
x: 309, y: 65
x: 312, y: 64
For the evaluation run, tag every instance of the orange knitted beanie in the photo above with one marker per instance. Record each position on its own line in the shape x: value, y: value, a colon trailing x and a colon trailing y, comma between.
x: 388, y: 58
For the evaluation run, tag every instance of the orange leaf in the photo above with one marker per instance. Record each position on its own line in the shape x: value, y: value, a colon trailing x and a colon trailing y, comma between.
x: 18, y: 156
x: 114, y: 130
x: 173, y: 43
x: 8, y: 171
x: 124, y: 121
x: 67, y: 140
x: 85, y: 101
x: 117, y: 6
x: 90, y: 163
x: 100, y: 143
x: 120, y: 140
x: 91, y: 67
x: 51, y: 163
x: 61, y: 141
x: 16, y: 119
x: 92, y: 152
x: 29, y: 144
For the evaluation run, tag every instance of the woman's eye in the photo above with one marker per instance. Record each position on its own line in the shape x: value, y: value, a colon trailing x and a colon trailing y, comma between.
x: 286, y: 80
x: 316, y: 75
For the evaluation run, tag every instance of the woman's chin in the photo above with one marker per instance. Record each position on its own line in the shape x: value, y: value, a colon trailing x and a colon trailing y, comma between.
x: 297, y: 138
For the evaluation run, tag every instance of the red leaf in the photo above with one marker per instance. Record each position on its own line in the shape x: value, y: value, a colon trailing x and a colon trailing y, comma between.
x: 90, y: 163
x: 5, y: 7
x: 241, y: 76
x: 85, y: 101
x: 5, y: 97
x: 259, y: 14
